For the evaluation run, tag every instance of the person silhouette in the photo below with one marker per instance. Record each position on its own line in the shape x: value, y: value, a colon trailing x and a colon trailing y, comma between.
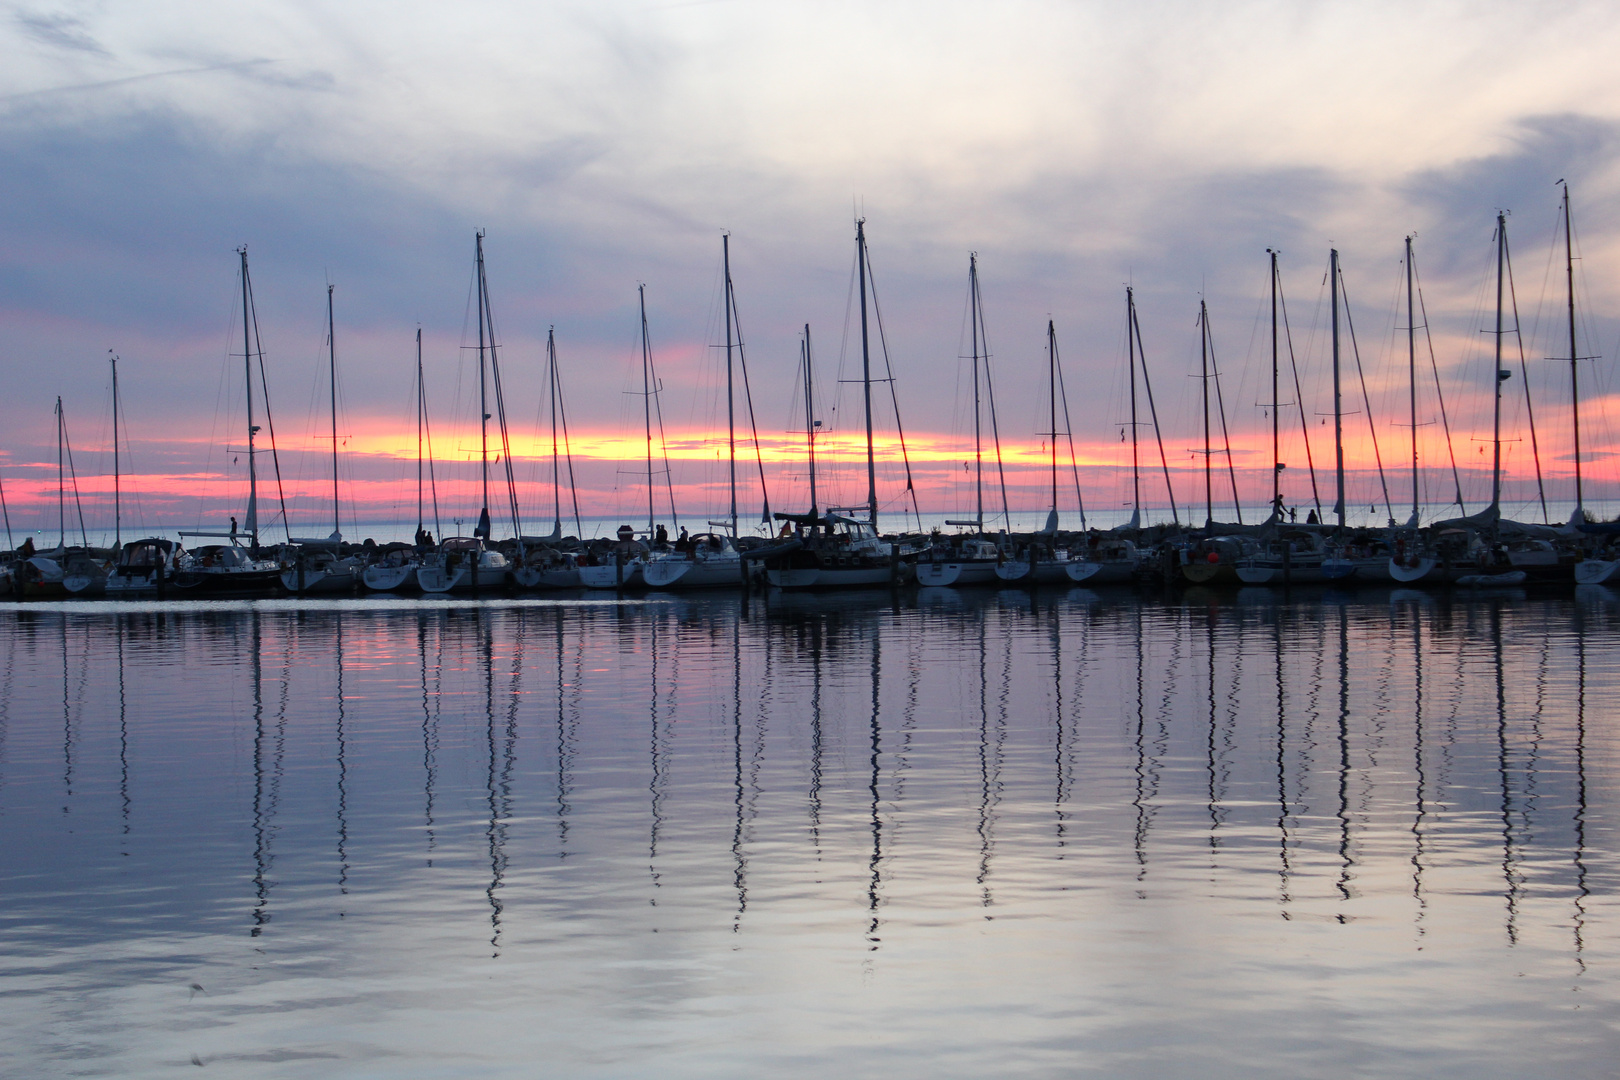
x: 233, y: 527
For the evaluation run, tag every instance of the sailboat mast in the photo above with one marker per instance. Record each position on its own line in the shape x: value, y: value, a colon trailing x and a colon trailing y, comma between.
x: 118, y: 508
x: 1338, y: 404
x: 646, y: 401
x: 556, y: 473
x: 731, y: 403
x: 1276, y: 418
x: 252, y: 518
x: 866, y: 374
x: 331, y: 371
x: 1051, y: 393
x: 1130, y: 348
x: 978, y: 454
x: 1496, y: 373
x: 483, y: 398
x: 421, y: 405
x: 1203, y: 362
x: 810, y: 417
x: 61, y: 494
x: 1574, y: 357
x: 1411, y: 372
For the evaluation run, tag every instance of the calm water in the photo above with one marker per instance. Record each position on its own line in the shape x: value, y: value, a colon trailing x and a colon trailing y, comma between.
x: 956, y: 836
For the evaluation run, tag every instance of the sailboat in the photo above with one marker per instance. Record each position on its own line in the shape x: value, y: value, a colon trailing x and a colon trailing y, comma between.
x: 395, y: 569
x: 1589, y: 571
x: 1118, y: 559
x: 1222, y: 551
x: 836, y: 550
x: 1043, y: 561
x: 318, y: 565
x: 711, y: 560
x: 972, y: 560
x: 629, y: 556
x: 86, y: 573
x: 141, y: 566
x: 232, y: 566
x: 544, y: 566
x: 43, y: 574
x: 1457, y: 551
x: 468, y: 562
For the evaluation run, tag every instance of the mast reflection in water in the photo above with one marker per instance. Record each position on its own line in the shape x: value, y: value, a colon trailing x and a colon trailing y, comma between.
x: 1005, y: 834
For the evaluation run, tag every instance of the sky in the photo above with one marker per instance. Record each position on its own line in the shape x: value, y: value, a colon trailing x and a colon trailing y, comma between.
x: 1077, y: 148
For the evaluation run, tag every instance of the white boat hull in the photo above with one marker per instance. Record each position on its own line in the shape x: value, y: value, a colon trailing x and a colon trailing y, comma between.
x: 438, y: 579
x: 84, y: 583
x: 389, y: 578
x: 1412, y: 571
x: 536, y: 577
x: 1078, y: 570
x: 1044, y: 571
x: 340, y: 580
x: 683, y: 573
x: 956, y: 573
x: 1596, y: 571
x: 130, y: 585
x: 611, y: 576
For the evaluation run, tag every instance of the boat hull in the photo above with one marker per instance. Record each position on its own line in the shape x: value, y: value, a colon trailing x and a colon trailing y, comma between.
x: 1112, y: 572
x: 131, y: 585
x: 1596, y: 571
x: 831, y: 577
x: 390, y: 578
x: 1208, y: 573
x: 1016, y: 571
x: 438, y: 578
x: 231, y: 582
x: 958, y: 573
x: 683, y: 573
x: 535, y: 577
x: 84, y: 583
x: 1415, y: 571
x: 319, y: 582
x: 624, y: 576
x: 1272, y: 572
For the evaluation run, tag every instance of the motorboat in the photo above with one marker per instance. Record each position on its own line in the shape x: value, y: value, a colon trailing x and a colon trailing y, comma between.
x: 143, y: 567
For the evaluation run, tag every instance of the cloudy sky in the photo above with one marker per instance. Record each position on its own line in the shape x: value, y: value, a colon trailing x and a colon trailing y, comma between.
x: 1076, y: 147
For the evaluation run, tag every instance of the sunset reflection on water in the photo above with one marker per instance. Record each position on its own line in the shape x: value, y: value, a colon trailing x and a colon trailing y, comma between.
x: 939, y: 834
